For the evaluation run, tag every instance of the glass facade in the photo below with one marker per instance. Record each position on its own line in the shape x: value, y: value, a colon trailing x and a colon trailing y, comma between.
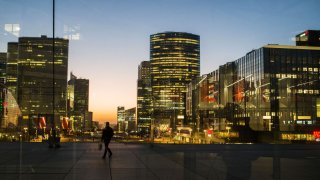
x: 175, y: 61
x: 274, y: 88
x: 121, y: 114
x: 144, y: 107
x: 12, y: 68
x: 130, y: 120
x: 37, y: 94
x: 78, y: 103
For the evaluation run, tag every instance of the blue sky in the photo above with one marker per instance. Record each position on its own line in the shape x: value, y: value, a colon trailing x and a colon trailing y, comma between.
x: 114, y: 34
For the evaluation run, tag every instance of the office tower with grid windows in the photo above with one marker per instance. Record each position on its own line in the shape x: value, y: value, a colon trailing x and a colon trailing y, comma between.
x: 175, y: 61
x: 42, y: 78
x: 144, y: 107
x: 78, y: 103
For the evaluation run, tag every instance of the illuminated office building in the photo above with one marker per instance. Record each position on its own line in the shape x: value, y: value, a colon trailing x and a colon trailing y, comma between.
x: 3, y: 67
x: 12, y: 69
x: 121, y: 115
x: 130, y: 119
x: 202, y: 100
x: 144, y: 107
x: 175, y: 61
x: 9, y: 108
x: 37, y: 96
x: 3, y: 89
x: 78, y: 103
x: 274, y: 88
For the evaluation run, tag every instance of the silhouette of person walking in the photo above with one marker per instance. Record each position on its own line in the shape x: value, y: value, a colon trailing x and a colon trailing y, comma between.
x: 107, y: 134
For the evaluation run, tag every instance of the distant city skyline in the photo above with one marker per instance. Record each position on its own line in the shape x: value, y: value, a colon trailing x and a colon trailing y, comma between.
x: 108, y: 39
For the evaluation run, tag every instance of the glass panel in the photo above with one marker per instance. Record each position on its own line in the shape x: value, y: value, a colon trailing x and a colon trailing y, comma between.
x: 28, y: 100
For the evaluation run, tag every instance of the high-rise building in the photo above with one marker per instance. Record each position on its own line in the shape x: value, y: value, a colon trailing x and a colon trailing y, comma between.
x: 3, y: 67
x: 130, y: 119
x: 144, y: 107
x: 78, y: 103
x: 12, y: 69
x: 42, y: 78
x: 9, y: 108
x: 3, y: 89
x: 121, y: 115
x: 175, y: 61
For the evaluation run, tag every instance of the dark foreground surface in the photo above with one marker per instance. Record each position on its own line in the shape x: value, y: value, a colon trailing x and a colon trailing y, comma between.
x: 78, y: 161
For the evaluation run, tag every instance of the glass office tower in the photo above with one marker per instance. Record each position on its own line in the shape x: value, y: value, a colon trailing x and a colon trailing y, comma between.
x: 121, y: 115
x: 78, y: 102
x: 175, y: 61
x: 144, y: 107
x: 12, y: 69
x: 275, y: 88
x: 37, y: 94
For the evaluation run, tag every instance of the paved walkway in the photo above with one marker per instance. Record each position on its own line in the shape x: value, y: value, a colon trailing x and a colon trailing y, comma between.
x: 79, y: 161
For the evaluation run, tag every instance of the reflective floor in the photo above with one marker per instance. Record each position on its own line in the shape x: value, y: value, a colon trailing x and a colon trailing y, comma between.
x: 142, y: 161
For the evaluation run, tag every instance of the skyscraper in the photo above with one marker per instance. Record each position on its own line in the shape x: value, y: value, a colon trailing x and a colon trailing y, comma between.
x: 9, y: 108
x: 12, y: 69
x: 130, y: 119
x: 121, y: 114
x: 3, y: 89
x: 175, y: 61
x: 144, y: 107
x: 42, y: 78
x: 3, y: 64
x: 78, y: 102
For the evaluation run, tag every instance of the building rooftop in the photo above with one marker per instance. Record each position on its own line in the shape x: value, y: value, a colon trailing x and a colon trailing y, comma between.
x: 291, y: 47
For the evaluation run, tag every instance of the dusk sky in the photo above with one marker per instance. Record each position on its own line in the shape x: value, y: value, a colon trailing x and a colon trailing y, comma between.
x: 114, y: 35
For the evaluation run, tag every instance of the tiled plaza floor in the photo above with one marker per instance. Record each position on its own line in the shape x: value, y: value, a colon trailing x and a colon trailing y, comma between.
x: 77, y: 161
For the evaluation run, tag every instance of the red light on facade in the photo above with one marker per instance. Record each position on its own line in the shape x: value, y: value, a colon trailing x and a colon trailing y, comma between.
x: 65, y: 123
x: 209, y: 131
x: 42, y: 122
x: 316, y: 134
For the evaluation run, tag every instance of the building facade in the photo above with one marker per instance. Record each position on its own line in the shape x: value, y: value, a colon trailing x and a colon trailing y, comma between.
x: 175, y: 61
x: 273, y: 89
x: 121, y: 115
x: 42, y: 78
x: 130, y: 119
x: 203, y: 102
x: 78, y: 104
x: 3, y: 89
x: 144, y: 101
x: 12, y: 69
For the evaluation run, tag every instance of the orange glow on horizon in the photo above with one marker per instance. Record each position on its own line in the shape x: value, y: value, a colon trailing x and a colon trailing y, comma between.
x: 103, y: 117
